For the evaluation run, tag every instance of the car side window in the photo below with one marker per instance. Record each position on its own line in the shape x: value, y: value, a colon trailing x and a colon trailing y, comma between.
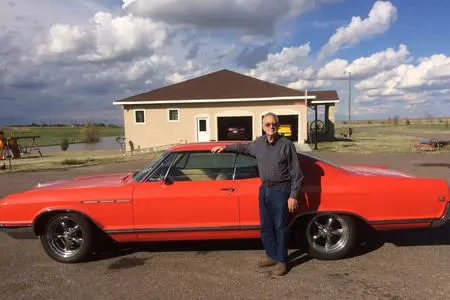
x: 246, y: 167
x: 200, y: 166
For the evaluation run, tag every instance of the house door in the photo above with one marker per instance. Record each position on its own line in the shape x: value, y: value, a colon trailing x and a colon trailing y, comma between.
x: 203, y: 134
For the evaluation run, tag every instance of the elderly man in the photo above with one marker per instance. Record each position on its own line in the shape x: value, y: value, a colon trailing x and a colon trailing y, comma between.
x: 281, y: 179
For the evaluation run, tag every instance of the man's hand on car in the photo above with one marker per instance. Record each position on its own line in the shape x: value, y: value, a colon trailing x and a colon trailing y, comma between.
x: 218, y: 149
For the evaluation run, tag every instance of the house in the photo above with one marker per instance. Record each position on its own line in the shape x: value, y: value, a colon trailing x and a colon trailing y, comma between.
x: 220, y: 106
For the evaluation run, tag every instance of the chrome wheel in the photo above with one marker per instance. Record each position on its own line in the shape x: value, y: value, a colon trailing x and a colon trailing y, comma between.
x: 328, y: 233
x: 65, y: 237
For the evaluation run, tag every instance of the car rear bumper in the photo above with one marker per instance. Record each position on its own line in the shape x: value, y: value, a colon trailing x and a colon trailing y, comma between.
x: 444, y: 219
x: 19, y: 232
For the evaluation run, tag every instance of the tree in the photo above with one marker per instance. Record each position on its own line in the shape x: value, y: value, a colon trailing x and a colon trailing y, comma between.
x: 89, y: 134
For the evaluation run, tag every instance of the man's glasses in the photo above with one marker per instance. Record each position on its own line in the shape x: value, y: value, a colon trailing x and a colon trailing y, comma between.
x: 271, y: 124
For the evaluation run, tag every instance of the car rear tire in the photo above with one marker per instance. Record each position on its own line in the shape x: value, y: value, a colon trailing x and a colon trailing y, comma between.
x: 68, y: 238
x: 331, y: 236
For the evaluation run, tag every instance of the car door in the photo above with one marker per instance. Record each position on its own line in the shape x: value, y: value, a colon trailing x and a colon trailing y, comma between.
x: 197, y: 199
x: 247, y: 183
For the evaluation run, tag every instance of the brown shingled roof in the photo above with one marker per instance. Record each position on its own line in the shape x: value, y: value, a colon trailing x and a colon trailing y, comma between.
x: 224, y: 84
x: 324, y: 95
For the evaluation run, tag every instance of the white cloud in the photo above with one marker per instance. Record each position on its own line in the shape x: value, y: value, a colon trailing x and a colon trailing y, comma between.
x: 430, y: 73
x: 380, y: 18
x: 425, y: 82
x: 249, y: 16
x: 334, y: 69
x: 89, y: 56
x: 105, y: 37
x: 138, y: 70
x: 384, y: 60
x: 365, y: 66
x: 309, y: 84
x: 284, y: 66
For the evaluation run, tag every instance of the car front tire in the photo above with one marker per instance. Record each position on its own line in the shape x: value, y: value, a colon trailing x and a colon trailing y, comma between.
x: 68, y: 238
x: 331, y: 236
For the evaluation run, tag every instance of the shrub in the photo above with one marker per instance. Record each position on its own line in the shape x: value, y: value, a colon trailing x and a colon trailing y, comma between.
x: 89, y: 134
x: 396, y: 120
x: 65, y: 144
x: 72, y: 161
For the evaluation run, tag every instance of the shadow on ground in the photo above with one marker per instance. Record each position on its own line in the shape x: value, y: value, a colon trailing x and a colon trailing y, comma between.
x: 445, y: 165
x: 373, y: 241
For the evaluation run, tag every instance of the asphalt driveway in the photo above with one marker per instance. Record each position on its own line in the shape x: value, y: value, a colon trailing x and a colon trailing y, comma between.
x: 398, y: 265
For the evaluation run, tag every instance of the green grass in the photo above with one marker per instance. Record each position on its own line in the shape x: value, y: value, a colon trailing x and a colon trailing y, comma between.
x: 74, y: 161
x: 50, y: 136
x: 65, y: 160
x: 384, y: 138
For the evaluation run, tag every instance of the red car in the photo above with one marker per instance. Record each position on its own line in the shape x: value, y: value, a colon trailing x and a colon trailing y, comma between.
x: 189, y: 193
x: 236, y: 133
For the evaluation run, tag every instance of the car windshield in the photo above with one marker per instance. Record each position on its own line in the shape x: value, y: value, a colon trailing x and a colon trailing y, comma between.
x: 139, y: 175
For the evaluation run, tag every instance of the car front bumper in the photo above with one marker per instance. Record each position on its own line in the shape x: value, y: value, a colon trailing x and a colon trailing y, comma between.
x: 19, y: 232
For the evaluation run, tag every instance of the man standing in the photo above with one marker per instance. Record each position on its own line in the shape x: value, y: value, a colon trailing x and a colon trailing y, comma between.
x: 281, y: 179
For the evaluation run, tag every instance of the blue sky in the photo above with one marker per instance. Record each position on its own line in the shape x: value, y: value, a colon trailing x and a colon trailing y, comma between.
x: 70, y: 61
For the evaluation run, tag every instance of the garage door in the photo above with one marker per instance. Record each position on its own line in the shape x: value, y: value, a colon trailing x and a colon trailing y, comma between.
x: 235, y: 128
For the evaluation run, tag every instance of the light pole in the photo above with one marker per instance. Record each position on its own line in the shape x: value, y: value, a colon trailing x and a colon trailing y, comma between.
x: 349, y: 103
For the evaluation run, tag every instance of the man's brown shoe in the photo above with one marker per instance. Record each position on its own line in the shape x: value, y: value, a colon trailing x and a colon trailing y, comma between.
x: 280, y: 269
x: 267, y: 262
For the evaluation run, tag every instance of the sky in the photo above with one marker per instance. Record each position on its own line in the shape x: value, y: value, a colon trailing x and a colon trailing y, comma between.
x: 65, y: 61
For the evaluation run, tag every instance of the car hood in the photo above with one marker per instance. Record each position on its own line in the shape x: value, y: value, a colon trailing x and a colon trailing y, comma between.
x: 87, y: 181
x: 374, y: 171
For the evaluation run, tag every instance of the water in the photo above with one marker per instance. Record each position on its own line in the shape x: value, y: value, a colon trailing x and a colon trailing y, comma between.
x: 107, y: 142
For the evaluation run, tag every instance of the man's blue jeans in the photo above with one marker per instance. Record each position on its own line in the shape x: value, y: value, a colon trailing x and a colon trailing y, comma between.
x: 273, y: 212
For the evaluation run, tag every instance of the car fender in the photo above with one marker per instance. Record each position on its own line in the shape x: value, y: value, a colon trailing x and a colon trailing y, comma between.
x: 51, y: 211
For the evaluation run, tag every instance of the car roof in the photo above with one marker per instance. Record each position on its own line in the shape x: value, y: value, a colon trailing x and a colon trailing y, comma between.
x: 205, y: 146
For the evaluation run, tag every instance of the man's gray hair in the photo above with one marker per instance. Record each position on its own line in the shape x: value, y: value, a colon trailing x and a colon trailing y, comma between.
x: 271, y: 114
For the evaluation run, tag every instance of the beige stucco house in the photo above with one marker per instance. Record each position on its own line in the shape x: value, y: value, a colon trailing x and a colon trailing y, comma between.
x: 219, y: 106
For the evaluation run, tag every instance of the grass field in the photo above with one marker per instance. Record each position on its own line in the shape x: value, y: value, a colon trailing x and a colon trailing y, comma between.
x: 384, y: 138
x: 365, y: 139
x: 64, y: 160
x: 50, y: 136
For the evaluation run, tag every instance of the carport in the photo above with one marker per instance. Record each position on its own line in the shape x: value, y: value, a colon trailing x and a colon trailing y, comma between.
x: 322, y: 130
x: 235, y: 128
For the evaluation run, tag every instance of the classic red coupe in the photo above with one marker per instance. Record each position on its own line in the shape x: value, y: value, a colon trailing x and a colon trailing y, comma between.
x: 189, y: 193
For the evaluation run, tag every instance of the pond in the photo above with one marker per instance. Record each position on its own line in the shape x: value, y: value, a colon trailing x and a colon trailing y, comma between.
x: 107, y: 142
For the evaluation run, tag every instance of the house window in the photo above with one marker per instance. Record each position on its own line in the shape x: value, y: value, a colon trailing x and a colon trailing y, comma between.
x: 174, y: 115
x: 139, y: 116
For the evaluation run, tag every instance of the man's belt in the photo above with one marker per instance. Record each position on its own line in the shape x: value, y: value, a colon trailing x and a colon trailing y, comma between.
x: 273, y: 183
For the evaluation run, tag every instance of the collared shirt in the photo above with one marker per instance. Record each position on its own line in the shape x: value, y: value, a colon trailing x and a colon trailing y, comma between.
x: 277, y: 161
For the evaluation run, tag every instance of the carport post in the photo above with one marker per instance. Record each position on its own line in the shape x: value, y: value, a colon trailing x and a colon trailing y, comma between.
x: 315, y: 125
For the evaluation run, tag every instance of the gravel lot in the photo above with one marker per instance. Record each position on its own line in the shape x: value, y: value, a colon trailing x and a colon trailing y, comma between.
x: 402, y: 265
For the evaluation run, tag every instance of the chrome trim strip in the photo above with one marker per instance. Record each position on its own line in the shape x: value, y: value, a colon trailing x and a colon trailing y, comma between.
x: 183, y: 229
x: 104, y: 201
x: 405, y: 221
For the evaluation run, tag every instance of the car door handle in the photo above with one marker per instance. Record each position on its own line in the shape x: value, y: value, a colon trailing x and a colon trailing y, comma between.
x: 228, y: 189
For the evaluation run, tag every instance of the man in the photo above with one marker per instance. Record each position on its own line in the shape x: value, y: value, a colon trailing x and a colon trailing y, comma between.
x: 281, y: 179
